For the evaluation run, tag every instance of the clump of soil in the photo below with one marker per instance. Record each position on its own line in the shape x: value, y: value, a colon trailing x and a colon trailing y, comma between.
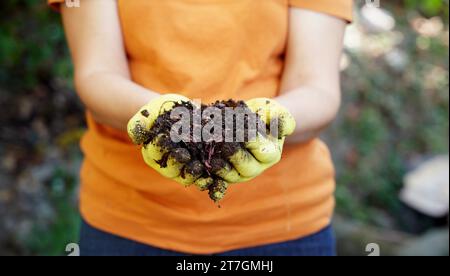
x: 202, y: 158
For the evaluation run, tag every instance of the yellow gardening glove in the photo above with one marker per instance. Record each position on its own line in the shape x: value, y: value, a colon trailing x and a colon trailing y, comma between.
x: 177, y: 166
x: 263, y: 152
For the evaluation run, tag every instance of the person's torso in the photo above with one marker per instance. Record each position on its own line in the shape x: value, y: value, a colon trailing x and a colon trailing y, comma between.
x: 208, y: 50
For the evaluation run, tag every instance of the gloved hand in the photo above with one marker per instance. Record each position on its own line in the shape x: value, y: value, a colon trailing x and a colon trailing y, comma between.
x: 241, y: 165
x: 263, y: 152
x: 179, y: 161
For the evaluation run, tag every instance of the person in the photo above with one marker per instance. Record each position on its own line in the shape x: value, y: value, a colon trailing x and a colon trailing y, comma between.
x: 127, y: 54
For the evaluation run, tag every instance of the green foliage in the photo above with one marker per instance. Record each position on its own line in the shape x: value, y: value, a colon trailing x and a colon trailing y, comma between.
x: 32, y: 46
x: 51, y: 239
x: 429, y: 7
x: 391, y: 117
x: 36, y: 71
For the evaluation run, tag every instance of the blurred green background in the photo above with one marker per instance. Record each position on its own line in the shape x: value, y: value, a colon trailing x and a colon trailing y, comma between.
x: 394, y: 116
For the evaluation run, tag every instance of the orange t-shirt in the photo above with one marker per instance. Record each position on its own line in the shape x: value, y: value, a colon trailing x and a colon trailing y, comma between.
x: 207, y: 49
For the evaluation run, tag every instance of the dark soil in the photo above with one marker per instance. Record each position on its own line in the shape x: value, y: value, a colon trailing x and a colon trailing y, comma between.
x: 201, y: 159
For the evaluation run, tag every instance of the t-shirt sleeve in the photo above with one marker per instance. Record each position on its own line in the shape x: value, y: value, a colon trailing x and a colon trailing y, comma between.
x: 55, y: 4
x: 338, y: 8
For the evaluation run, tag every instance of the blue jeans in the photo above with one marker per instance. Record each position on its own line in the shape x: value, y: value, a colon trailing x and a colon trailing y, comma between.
x: 94, y: 242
